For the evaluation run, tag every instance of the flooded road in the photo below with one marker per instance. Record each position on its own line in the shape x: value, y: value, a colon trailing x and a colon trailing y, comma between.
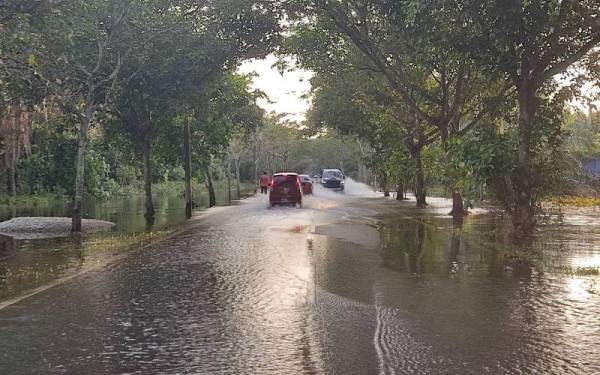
x: 28, y: 263
x: 349, y: 284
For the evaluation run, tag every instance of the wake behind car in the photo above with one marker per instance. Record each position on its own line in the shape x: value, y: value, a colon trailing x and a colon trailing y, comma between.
x: 307, y: 185
x: 286, y: 188
x: 333, y: 179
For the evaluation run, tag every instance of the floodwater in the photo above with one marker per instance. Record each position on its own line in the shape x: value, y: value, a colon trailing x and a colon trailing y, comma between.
x: 27, y: 264
x: 349, y: 284
x: 127, y: 212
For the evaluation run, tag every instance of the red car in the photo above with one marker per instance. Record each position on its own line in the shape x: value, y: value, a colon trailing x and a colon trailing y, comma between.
x: 286, y: 189
x: 307, y: 185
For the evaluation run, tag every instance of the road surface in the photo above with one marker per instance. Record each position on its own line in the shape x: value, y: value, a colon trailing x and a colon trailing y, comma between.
x: 253, y: 290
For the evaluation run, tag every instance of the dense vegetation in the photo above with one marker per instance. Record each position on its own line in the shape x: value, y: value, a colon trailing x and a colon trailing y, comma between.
x: 465, y: 95
x: 469, y: 87
x: 122, y: 88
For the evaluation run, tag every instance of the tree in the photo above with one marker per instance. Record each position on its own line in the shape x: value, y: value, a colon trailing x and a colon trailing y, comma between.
x: 232, y: 31
x: 227, y: 111
x: 11, y: 9
x: 177, y: 53
x: 15, y: 133
x: 530, y: 42
x: 152, y: 83
x: 407, y: 44
x: 79, y: 63
x: 20, y: 91
x: 236, y: 148
x: 364, y: 105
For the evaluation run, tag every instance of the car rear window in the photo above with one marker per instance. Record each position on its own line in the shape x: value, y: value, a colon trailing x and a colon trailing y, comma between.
x: 288, y: 178
x: 329, y: 174
x: 305, y: 178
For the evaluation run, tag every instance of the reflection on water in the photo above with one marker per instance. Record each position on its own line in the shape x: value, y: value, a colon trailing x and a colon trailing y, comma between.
x: 323, y: 291
x: 127, y: 212
x: 26, y: 264
x: 472, y: 303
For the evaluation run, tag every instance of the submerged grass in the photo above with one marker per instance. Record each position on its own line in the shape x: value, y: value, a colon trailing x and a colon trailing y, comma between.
x: 118, y: 243
x: 579, y: 271
x: 576, y: 201
x: 18, y: 278
x: 530, y: 255
x: 32, y: 200
x: 158, y: 189
x: 534, y: 258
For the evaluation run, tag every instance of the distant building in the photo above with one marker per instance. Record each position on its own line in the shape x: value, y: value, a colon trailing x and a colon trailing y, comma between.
x: 592, y: 166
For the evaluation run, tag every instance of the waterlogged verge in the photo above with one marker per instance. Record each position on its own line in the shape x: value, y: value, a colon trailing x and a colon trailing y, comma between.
x: 26, y: 265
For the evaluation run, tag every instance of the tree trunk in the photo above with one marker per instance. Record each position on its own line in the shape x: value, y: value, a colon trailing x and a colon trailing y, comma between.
x: 17, y: 182
x: 12, y: 147
x: 212, y: 200
x: 236, y: 163
x: 84, y: 125
x: 229, y: 177
x: 523, y: 212
x: 12, y: 180
x: 149, y: 215
x: 270, y: 157
x: 187, y: 165
x: 384, y: 183
x: 400, y: 191
x: 255, y: 160
x: 458, y: 208
x: 420, y: 193
x: 79, y: 175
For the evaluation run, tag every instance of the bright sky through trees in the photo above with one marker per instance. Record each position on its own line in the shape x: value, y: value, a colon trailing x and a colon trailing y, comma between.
x: 287, y: 93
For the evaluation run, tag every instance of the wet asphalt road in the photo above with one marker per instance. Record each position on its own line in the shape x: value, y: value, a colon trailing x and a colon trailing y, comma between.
x: 252, y: 290
x: 234, y: 293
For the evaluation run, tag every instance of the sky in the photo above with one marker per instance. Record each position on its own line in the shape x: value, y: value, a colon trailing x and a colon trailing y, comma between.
x: 284, y: 91
x: 287, y: 93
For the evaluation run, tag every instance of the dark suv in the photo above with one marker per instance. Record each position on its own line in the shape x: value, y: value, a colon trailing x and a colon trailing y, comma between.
x: 333, y: 179
x: 286, y: 189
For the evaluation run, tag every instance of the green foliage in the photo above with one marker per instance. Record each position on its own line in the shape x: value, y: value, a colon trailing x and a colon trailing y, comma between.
x: 98, y: 175
x: 51, y: 167
x: 136, y: 70
x: 465, y: 87
x: 478, y: 73
x: 583, y: 139
x: 486, y: 153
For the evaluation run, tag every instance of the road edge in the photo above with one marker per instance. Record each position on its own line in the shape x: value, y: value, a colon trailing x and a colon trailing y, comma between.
x: 111, y: 260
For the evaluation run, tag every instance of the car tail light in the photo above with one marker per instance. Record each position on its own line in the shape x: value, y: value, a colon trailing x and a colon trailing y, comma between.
x: 273, y: 183
x: 298, y: 182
